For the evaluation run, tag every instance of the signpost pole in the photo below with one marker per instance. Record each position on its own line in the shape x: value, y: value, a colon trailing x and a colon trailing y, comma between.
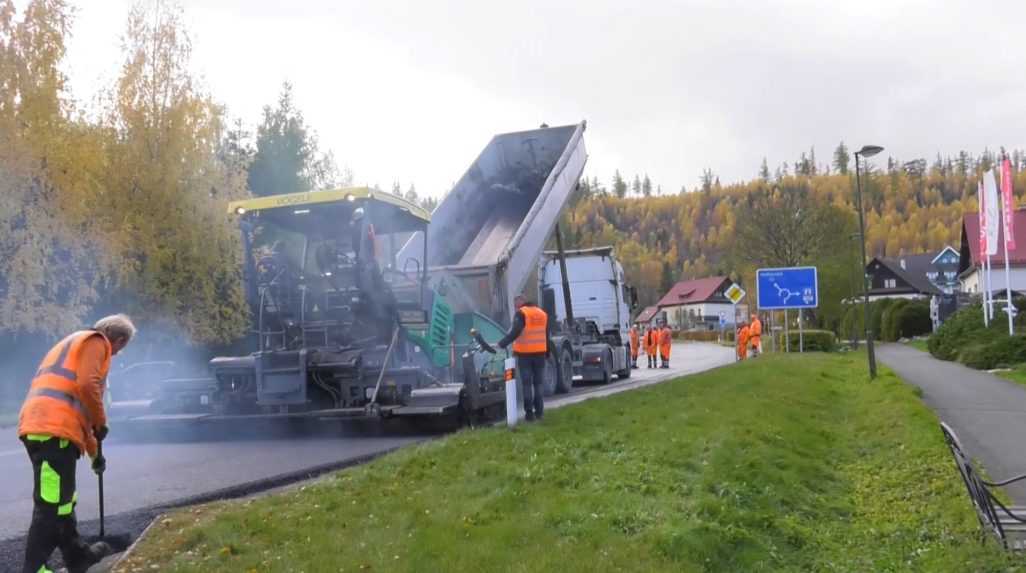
x: 787, y: 335
x: 801, y: 333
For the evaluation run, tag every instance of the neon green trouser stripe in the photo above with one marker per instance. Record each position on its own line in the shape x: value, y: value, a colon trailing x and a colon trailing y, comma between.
x: 49, y: 484
x: 67, y: 508
x: 43, y: 569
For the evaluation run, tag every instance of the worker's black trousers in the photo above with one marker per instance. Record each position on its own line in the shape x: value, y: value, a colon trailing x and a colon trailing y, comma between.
x: 532, y: 374
x: 53, y: 513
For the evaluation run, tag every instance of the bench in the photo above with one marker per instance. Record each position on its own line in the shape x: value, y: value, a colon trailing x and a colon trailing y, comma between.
x: 1006, y: 523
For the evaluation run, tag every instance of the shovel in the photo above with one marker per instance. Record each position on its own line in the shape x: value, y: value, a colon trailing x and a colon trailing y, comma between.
x: 118, y: 542
x: 99, y: 478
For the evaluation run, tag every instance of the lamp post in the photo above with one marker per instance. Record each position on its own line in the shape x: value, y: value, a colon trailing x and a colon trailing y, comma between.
x: 866, y: 151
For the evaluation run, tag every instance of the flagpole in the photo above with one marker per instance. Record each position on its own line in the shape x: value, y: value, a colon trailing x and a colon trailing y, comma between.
x: 983, y: 254
x: 1009, y: 213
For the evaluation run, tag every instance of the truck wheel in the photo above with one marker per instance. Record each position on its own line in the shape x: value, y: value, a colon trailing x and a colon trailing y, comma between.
x: 566, y: 367
x: 607, y: 369
x: 626, y: 372
x: 550, y: 377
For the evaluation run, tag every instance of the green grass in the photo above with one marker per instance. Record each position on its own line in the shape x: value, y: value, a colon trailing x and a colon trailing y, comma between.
x: 918, y: 344
x: 793, y: 463
x: 1017, y: 374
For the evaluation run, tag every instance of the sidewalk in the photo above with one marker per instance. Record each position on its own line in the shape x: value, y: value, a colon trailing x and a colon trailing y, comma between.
x: 988, y: 413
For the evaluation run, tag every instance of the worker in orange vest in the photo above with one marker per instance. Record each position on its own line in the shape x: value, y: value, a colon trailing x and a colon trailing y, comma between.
x: 665, y: 343
x: 755, y: 335
x: 742, y: 341
x: 635, y: 347
x: 532, y: 347
x: 652, y: 345
x: 62, y: 418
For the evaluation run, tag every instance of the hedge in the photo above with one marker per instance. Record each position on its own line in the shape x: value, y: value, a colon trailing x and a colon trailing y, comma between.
x: 814, y: 340
x: 964, y: 338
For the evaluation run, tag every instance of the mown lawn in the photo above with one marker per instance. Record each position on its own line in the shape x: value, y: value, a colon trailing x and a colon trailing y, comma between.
x: 788, y: 462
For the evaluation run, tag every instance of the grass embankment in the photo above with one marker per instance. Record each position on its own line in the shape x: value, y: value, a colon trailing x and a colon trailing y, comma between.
x: 780, y: 463
x: 1016, y: 374
x: 919, y: 344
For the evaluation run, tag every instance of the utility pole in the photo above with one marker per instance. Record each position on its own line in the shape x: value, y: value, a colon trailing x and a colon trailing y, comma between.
x: 866, y: 151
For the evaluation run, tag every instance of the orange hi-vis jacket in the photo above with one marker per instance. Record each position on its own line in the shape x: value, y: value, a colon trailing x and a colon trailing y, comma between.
x: 665, y: 342
x: 755, y: 332
x: 742, y: 340
x: 65, y: 399
x: 635, y: 342
x: 534, y: 338
x: 651, y: 342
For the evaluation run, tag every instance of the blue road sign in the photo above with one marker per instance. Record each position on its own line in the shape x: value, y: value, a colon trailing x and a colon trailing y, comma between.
x: 794, y: 287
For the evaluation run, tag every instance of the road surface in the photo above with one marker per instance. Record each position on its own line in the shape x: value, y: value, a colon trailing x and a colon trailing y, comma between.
x: 143, y: 476
x: 150, y: 473
x: 987, y: 412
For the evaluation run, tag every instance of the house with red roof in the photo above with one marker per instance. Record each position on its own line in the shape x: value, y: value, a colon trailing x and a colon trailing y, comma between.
x: 970, y: 260
x: 648, y: 316
x: 697, y: 303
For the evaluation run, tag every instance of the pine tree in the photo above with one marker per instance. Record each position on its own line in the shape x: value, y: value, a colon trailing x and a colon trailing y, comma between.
x: 619, y: 185
x: 764, y: 172
x: 707, y: 180
x: 636, y: 186
x: 646, y: 186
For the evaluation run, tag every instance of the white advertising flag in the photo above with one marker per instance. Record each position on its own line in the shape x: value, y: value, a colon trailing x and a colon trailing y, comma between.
x: 990, y: 203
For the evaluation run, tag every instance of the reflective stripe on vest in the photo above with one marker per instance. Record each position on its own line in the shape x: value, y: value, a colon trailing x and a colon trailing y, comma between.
x: 534, y: 338
x: 62, y: 396
x: 58, y: 366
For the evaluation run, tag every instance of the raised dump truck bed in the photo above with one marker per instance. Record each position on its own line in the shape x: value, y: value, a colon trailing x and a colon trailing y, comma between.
x: 487, y: 234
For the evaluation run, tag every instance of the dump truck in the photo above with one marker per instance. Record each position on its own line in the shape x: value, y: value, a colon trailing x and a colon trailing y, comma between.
x: 586, y: 293
x: 363, y: 303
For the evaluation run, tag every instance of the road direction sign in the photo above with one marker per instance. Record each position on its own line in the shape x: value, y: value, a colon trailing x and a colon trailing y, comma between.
x: 783, y: 288
x: 734, y: 293
x: 723, y: 319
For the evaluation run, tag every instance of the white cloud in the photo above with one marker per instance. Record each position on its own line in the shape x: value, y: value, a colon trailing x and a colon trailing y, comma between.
x: 412, y: 89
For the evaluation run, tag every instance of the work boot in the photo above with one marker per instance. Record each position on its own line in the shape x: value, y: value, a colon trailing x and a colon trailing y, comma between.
x: 529, y: 416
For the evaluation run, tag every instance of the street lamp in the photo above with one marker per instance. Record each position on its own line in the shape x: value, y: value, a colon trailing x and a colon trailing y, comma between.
x: 866, y: 151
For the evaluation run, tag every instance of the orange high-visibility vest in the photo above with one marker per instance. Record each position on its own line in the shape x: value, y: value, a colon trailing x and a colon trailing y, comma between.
x: 665, y: 342
x: 534, y: 338
x: 755, y: 330
x: 54, y: 404
x: 651, y: 342
x: 635, y: 342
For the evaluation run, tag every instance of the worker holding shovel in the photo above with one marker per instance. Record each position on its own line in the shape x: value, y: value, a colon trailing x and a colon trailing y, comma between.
x: 62, y: 417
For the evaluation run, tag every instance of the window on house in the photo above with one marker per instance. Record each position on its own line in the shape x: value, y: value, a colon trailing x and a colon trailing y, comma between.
x: 950, y: 275
x: 890, y: 283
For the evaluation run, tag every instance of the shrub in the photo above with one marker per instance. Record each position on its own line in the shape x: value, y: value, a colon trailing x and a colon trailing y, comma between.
x: 876, y: 310
x: 888, y: 329
x: 815, y: 340
x: 998, y: 352
x: 912, y: 320
x: 960, y: 331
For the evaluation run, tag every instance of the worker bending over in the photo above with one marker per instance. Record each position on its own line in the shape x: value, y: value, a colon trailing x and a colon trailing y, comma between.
x: 665, y: 343
x: 652, y: 345
x: 755, y: 335
x: 531, y: 347
x: 61, y: 419
x: 635, y: 346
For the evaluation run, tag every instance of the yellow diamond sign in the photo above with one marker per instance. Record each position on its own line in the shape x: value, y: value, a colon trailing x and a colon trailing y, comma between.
x: 735, y: 293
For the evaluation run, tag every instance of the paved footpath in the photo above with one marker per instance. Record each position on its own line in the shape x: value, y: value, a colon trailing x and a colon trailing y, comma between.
x: 987, y: 412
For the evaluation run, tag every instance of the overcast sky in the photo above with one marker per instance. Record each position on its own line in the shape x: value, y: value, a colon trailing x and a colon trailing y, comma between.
x: 412, y: 90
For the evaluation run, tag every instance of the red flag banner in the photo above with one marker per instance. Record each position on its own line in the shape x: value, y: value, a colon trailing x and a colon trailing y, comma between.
x: 1008, y: 198
x: 983, y: 222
